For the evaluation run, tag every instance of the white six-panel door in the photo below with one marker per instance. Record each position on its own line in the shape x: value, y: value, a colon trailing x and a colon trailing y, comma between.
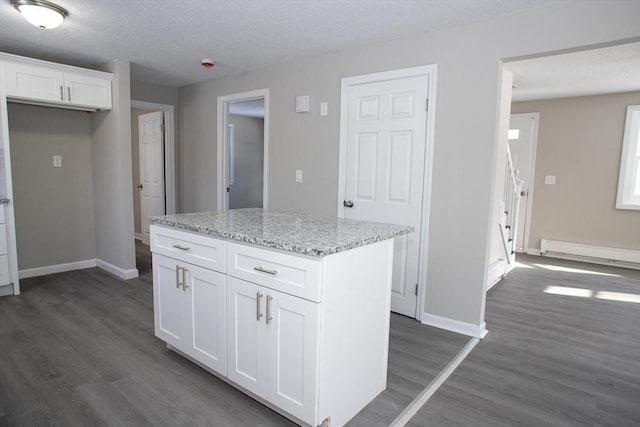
x: 385, y: 165
x: 151, y: 142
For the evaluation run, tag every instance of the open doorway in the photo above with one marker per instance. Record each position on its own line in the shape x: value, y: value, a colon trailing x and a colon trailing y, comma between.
x: 243, y: 138
x: 576, y: 162
x: 152, y: 159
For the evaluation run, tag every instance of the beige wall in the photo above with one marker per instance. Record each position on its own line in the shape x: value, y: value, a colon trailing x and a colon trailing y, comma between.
x: 580, y: 142
x: 53, y: 206
x: 465, y: 166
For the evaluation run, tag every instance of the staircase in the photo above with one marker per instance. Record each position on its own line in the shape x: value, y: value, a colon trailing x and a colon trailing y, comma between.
x: 510, y: 206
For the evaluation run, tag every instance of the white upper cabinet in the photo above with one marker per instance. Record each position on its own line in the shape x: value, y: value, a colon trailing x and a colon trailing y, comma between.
x: 57, y: 85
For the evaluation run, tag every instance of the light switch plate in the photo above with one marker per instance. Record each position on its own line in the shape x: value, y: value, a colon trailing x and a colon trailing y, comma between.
x: 299, y: 175
x: 323, y: 108
x: 550, y: 179
x: 302, y: 104
x: 57, y: 161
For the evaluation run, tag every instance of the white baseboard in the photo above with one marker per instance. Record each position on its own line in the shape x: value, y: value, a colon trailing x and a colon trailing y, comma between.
x: 464, y: 328
x: 117, y: 271
x: 58, y: 268
x: 496, y: 271
x: 533, y: 251
x: 589, y: 253
x: 138, y: 236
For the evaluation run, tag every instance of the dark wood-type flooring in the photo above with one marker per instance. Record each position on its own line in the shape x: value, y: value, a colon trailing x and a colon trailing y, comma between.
x: 78, y: 349
x: 549, y: 359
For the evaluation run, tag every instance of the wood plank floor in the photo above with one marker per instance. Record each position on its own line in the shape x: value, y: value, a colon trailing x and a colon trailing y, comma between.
x: 77, y: 349
x: 549, y: 359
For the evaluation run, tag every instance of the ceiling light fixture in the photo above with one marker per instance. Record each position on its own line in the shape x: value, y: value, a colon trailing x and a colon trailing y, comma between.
x: 41, y: 13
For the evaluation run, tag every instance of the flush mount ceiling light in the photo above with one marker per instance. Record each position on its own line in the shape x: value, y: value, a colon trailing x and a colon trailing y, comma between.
x: 41, y: 13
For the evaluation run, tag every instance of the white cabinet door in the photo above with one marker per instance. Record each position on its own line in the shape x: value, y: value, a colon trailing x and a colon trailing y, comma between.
x: 273, y: 346
x: 206, y: 316
x: 293, y: 337
x: 169, y: 303
x: 87, y: 91
x: 35, y: 83
x: 247, y: 336
x: 189, y: 309
x: 50, y: 85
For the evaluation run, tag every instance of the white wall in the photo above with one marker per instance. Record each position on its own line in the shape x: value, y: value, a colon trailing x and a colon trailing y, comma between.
x: 467, y: 112
x: 112, y: 176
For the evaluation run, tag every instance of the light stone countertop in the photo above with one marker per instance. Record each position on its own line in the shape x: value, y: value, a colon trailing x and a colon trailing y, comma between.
x: 287, y: 231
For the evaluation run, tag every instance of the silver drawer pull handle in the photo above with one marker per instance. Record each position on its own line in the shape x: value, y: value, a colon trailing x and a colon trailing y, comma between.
x: 182, y: 248
x: 264, y: 270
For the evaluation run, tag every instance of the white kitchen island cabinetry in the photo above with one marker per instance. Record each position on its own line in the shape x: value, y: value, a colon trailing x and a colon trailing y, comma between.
x: 307, y: 317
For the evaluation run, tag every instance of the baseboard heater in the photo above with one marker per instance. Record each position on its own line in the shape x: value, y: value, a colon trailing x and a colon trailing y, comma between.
x: 627, y: 258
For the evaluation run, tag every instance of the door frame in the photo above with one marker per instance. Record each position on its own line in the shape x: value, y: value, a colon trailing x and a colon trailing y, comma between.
x: 431, y: 72
x: 169, y: 151
x: 532, y: 167
x: 222, y: 202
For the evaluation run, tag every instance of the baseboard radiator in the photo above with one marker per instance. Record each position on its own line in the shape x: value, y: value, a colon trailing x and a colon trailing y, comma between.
x: 627, y: 258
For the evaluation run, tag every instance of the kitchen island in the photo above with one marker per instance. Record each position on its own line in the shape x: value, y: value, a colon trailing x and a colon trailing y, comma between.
x: 292, y: 309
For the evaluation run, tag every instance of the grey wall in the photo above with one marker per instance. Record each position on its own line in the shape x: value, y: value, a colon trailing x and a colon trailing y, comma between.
x: 53, y: 206
x: 467, y: 112
x: 580, y: 142
x: 135, y: 168
x: 246, y: 192
x: 149, y: 92
x: 112, y: 174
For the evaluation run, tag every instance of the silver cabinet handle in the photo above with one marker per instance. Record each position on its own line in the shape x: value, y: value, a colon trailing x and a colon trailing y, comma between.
x: 269, y: 318
x: 4, y: 201
x: 184, y: 279
x: 264, y: 270
x: 347, y: 204
x: 258, y: 314
x: 182, y: 248
x: 178, y: 276
x: 61, y: 93
x: 69, y: 92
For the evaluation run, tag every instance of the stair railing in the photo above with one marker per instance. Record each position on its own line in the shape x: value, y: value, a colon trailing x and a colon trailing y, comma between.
x: 511, y: 205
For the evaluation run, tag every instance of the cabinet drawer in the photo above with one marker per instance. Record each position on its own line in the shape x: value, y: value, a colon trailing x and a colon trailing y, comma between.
x: 290, y: 274
x: 189, y: 247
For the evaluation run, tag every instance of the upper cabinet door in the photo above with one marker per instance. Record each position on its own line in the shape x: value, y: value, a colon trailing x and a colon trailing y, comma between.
x: 55, y: 86
x: 34, y: 83
x: 87, y: 91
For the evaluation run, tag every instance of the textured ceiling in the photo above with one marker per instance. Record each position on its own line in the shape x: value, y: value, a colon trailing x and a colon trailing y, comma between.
x: 592, y: 72
x: 166, y: 39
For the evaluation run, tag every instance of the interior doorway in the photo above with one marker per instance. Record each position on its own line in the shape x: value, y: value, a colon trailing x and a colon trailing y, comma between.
x: 243, y: 141
x: 523, y: 140
x: 153, y: 164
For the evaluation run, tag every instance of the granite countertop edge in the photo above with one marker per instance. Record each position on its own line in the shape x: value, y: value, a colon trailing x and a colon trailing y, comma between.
x: 283, y: 245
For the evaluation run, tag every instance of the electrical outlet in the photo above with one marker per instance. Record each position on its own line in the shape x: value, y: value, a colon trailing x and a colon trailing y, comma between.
x: 299, y: 175
x: 57, y: 161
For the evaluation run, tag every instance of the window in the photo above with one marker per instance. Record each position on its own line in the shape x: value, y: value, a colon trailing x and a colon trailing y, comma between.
x: 629, y: 180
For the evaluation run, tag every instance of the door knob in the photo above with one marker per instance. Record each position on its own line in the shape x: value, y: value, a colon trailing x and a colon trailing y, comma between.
x: 139, y: 185
x: 347, y: 204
